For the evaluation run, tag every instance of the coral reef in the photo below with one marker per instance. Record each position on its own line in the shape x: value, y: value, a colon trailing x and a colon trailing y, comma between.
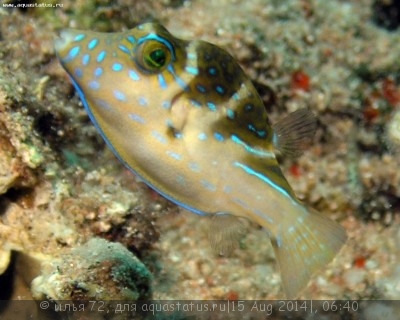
x: 97, y: 270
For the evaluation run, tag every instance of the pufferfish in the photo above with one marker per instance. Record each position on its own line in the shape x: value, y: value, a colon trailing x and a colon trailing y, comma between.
x: 184, y: 117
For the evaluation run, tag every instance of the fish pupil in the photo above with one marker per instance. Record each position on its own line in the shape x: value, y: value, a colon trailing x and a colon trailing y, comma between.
x: 156, y: 58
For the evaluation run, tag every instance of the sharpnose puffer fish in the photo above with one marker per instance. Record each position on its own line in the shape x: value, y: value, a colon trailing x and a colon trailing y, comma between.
x: 184, y: 117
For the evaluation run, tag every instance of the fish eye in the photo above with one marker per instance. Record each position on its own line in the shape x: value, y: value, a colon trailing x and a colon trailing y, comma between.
x: 153, y: 56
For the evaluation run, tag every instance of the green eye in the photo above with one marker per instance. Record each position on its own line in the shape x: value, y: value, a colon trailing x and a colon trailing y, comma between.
x: 156, y: 58
x: 153, y: 56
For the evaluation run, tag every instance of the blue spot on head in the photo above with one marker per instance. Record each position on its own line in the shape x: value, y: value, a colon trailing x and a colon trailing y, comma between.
x: 194, y: 167
x: 202, y: 136
x: 124, y: 49
x: 93, y: 43
x: 159, y: 137
x: 103, y: 104
x: 166, y: 104
x: 101, y: 56
x: 212, y: 71
x: 181, y: 180
x: 85, y: 59
x: 192, y: 56
x: 235, y: 96
x: 262, y: 133
x: 119, y: 95
x: 142, y: 101
x: 227, y: 189
x: 178, y: 135
x: 220, y: 89
x: 79, y: 37
x: 131, y: 39
x: 219, y: 136
x: 211, y: 106
x: 230, y: 113
x: 133, y: 75
x: 117, y: 66
x: 78, y: 73
x: 73, y: 53
x: 98, y: 72
x: 249, y: 107
x: 136, y: 118
x: 174, y: 155
x: 208, y: 185
x: 192, y: 70
x: 94, y: 85
x: 195, y: 103
x: 201, y: 88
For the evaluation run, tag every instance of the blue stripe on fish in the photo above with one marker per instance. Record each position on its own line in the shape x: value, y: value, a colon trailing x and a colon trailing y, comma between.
x: 264, y: 178
x: 257, y: 152
x: 161, y: 81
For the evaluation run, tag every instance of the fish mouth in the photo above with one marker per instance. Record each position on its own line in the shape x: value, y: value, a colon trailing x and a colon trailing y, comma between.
x: 65, y: 39
x: 62, y: 42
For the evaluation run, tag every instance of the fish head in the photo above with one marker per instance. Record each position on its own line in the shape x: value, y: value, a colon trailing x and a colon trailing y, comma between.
x: 124, y: 72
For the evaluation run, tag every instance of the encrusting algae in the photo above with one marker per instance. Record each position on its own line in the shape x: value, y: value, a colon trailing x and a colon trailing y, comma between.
x: 185, y: 118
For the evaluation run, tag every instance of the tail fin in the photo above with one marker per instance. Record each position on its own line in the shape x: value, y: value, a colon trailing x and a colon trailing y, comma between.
x: 305, y: 246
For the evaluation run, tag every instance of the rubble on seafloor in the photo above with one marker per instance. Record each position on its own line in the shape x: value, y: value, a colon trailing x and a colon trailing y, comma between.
x: 60, y: 187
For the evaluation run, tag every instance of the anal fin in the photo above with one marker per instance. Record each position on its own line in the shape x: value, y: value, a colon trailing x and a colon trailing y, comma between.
x: 225, y: 231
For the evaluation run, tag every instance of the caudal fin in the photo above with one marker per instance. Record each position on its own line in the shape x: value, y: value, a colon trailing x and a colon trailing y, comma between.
x: 305, y: 246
